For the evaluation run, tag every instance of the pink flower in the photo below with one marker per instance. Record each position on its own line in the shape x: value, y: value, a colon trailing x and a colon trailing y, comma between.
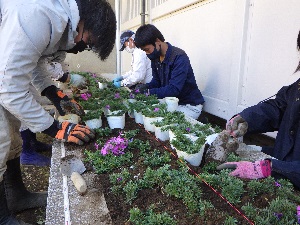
x: 156, y: 110
x: 85, y: 96
x: 117, y: 95
x: 107, y: 106
x: 96, y: 146
x: 131, y: 95
x: 115, y: 145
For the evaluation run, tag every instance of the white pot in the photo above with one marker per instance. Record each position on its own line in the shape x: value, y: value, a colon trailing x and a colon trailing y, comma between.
x: 172, y: 103
x: 102, y: 85
x: 72, y: 118
x: 161, y: 135
x: 116, y: 121
x: 147, y: 123
x: 61, y: 86
x: 193, y: 159
x: 138, y: 117
x: 94, y: 123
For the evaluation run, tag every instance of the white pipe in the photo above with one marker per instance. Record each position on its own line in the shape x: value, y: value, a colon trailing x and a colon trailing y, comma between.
x: 117, y: 10
x: 149, y: 12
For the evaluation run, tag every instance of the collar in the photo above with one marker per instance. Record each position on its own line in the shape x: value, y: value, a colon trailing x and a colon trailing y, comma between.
x: 79, y: 7
x: 168, y: 53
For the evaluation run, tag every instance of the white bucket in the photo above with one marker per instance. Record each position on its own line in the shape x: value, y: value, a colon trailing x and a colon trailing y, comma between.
x: 147, y: 123
x: 172, y: 103
x: 138, y: 117
x: 102, y: 85
x: 161, y: 135
x: 94, y: 123
x: 116, y: 121
x: 193, y: 159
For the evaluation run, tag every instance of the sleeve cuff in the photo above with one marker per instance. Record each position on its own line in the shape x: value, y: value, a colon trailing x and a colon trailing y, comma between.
x: 52, y: 130
x: 64, y: 77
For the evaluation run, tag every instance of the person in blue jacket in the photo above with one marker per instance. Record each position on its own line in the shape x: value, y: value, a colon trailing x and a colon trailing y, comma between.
x: 281, y: 114
x: 172, y: 72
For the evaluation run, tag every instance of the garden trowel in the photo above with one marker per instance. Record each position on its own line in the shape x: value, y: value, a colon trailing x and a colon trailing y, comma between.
x: 73, y: 167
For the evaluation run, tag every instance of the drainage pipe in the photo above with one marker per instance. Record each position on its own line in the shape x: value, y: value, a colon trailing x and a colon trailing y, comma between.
x: 143, y: 12
x: 117, y: 11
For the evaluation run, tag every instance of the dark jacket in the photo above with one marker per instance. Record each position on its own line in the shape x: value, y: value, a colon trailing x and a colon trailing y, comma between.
x: 281, y: 114
x: 174, y: 77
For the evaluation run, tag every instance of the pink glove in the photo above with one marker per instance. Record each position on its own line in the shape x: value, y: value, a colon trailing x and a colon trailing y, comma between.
x: 237, y: 126
x: 250, y: 170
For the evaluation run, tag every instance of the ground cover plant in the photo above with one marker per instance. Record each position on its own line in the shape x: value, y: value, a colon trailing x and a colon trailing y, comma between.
x: 145, y: 183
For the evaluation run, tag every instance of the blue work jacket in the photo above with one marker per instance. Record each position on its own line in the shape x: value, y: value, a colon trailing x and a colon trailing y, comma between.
x: 281, y: 114
x: 174, y: 77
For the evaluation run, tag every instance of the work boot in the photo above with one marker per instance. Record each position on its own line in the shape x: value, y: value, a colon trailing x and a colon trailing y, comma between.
x: 5, y: 216
x: 18, y: 198
x: 34, y: 143
x: 29, y: 156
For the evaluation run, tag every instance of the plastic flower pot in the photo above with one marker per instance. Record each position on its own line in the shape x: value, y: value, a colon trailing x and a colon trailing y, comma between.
x: 148, y: 123
x: 94, y: 123
x: 161, y: 135
x: 138, y: 117
x: 72, y: 118
x: 125, y: 102
x: 193, y: 159
x: 102, y: 85
x: 61, y: 86
x: 116, y: 121
x: 172, y: 103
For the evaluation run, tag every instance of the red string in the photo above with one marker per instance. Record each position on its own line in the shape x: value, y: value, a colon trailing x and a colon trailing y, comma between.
x: 197, y: 175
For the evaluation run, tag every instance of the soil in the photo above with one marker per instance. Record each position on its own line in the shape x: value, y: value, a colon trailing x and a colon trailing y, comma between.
x: 36, y: 179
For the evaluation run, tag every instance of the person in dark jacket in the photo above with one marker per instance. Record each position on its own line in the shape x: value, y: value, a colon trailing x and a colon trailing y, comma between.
x: 172, y: 72
x: 281, y: 114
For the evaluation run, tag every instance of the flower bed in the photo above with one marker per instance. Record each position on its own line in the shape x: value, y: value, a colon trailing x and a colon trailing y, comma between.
x: 145, y: 183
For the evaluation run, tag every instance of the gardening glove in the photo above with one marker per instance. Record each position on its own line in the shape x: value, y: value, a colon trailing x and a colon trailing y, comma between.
x: 77, y: 80
x: 75, y: 133
x: 70, y: 132
x: 141, y: 88
x: 117, y: 79
x: 237, y: 126
x: 250, y: 170
x: 62, y: 102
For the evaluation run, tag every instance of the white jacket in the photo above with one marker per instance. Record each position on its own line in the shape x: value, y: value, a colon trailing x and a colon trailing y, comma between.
x: 31, y: 31
x: 140, y: 69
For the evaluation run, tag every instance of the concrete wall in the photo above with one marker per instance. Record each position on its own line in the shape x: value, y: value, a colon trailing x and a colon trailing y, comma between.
x: 242, y: 51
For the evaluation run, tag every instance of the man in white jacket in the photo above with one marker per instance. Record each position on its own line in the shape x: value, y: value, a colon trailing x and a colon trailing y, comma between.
x: 141, y: 71
x: 29, y: 31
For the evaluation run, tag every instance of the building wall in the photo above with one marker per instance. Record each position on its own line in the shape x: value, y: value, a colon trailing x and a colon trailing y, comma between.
x: 241, y: 51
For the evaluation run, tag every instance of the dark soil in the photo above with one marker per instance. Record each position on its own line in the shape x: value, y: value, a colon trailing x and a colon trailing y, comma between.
x: 36, y: 179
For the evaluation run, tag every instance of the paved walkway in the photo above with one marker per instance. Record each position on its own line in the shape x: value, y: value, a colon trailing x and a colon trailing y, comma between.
x: 89, y: 209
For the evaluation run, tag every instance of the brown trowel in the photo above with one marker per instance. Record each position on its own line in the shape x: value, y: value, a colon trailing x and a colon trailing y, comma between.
x: 73, y: 167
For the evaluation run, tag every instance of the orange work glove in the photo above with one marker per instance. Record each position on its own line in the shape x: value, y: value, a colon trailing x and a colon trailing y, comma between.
x: 74, y: 133
x: 62, y: 102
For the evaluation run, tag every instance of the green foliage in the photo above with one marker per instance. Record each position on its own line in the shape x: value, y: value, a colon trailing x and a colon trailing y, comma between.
x: 103, y: 131
x: 233, y: 158
x: 92, y: 114
x: 156, y: 110
x: 131, y: 189
x: 108, y: 162
x: 184, y: 143
x: 131, y: 134
x: 138, y: 106
x: 156, y: 158
x: 230, y: 221
x: 137, y: 217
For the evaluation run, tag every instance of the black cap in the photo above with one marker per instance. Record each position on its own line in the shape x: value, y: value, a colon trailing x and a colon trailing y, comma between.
x: 124, y: 37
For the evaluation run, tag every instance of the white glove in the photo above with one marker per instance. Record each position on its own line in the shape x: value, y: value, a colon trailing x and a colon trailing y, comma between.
x: 76, y: 80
